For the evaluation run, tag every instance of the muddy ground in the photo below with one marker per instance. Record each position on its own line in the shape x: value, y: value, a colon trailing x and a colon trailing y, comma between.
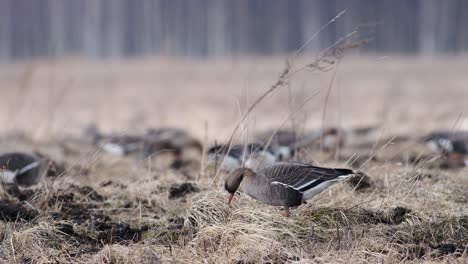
x: 404, y: 206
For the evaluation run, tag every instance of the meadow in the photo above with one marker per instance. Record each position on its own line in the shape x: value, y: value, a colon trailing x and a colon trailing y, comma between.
x: 107, y: 209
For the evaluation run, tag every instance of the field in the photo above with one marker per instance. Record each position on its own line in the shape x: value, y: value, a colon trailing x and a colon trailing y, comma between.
x: 107, y: 209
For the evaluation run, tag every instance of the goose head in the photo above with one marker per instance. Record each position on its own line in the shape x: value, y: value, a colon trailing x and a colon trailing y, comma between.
x: 233, y: 181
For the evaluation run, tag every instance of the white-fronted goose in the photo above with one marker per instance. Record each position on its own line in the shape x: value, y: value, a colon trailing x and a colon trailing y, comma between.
x: 285, y: 142
x: 281, y: 142
x: 232, y: 157
x: 332, y: 138
x: 22, y: 169
x: 361, y: 137
x: 284, y: 184
x: 279, y: 137
x: 167, y: 133
x: 122, y: 145
x: 119, y: 145
x: 174, y: 140
x: 447, y: 142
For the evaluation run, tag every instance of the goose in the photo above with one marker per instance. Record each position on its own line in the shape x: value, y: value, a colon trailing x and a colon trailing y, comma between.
x: 122, y: 145
x: 170, y: 139
x: 284, y: 142
x: 284, y: 184
x: 280, y: 137
x: 119, y: 145
x: 447, y: 142
x: 333, y: 138
x: 281, y: 142
x: 357, y: 137
x: 22, y: 169
x: 232, y: 157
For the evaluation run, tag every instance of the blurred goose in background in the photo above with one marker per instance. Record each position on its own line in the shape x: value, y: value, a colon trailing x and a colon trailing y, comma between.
x: 279, y: 137
x: 281, y: 142
x: 119, y: 145
x: 22, y: 169
x: 174, y: 140
x: 334, y: 138
x: 364, y: 136
x: 232, y: 157
x: 284, y: 184
x: 452, y: 146
x: 155, y: 141
x: 447, y: 142
x: 122, y: 145
x: 184, y: 149
x: 285, y: 142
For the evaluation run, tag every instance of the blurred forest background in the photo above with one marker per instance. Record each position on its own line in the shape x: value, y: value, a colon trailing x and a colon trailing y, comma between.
x: 222, y: 28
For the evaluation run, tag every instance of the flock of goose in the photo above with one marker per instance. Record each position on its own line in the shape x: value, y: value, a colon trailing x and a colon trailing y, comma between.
x: 263, y: 169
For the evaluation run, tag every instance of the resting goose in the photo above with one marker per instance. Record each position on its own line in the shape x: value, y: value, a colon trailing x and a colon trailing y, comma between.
x: 254, y: 155
x: 285, y: 142
x: 447, y: 142
x: 284, y: 184
x: 119, y: 145
x: 122, y: 145
x: 22, y: 169
x: 281, y: 142
x: 170, y: 139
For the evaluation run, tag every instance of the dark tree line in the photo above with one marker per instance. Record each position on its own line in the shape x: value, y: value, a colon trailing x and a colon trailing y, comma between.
x: 201, y: 28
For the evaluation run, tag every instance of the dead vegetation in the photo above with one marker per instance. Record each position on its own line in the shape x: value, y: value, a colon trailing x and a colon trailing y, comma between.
x: 117, y: 222
x: 402, y: 207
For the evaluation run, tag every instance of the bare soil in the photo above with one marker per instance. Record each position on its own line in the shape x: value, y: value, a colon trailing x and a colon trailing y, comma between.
x: 403, y: 206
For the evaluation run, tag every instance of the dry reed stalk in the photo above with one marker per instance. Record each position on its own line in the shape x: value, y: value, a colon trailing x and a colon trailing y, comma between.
x: 290, y: 116
x: 324, y: 111
x: 326, y: 58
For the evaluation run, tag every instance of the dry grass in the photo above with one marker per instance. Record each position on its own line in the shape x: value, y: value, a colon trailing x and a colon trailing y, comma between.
x: 104, y: 209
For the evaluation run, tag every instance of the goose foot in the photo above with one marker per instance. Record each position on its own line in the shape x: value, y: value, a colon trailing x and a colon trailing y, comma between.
x: 286, y: 211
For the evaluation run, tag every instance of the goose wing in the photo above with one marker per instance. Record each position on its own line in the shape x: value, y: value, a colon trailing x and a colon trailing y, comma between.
x: 236, y: 151
x: 13, y: 165
x: 300, y: 176
x: 446, y: 141
x: 279, y: 137
x: 450, y: 135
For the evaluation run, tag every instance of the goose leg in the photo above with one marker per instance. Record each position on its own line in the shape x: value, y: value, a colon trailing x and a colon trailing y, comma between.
x: 286, y: 211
